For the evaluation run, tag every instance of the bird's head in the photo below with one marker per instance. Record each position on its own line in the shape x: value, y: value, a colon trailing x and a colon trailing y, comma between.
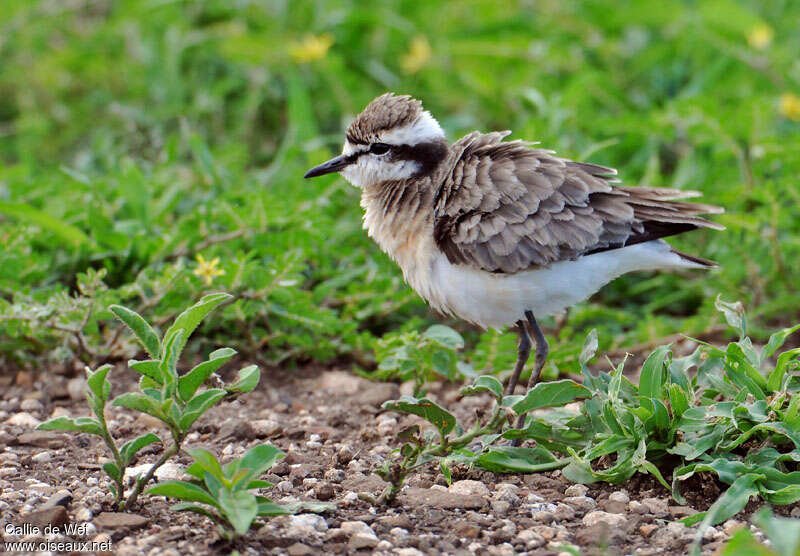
x: 392, y: 139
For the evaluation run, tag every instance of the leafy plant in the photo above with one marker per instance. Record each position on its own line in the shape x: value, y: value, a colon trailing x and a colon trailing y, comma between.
x: 222, y: 492
x: 177, y: 401
x: 421, y: 357
x: 783, y: 534
x: 447, y: 440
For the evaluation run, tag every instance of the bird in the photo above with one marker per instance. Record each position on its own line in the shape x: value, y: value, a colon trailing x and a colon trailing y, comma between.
x: 500, y: 233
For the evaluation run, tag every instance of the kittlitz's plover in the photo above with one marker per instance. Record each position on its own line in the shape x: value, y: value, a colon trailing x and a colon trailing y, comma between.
x: 495, y: 231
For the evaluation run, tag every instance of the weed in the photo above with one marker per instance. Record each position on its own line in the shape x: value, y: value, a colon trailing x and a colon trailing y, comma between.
x: 222, y: 492
x: 177, y: 401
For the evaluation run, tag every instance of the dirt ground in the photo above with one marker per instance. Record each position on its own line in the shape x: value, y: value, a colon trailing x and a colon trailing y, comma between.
x: 329, y: 424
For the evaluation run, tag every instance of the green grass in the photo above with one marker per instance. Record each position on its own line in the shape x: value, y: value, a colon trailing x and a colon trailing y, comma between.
x: 135, y: 135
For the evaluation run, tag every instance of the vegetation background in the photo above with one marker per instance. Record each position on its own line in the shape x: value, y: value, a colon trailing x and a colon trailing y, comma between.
x: 152, y: 151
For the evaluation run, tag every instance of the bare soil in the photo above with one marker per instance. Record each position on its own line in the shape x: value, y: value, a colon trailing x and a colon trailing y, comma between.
x: 329, y: 424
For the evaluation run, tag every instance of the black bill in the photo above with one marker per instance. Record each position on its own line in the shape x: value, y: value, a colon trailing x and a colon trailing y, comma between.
x: 333, y: 165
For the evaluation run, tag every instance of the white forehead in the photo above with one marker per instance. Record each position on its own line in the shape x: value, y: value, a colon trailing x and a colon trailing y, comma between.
x: 422, y: 130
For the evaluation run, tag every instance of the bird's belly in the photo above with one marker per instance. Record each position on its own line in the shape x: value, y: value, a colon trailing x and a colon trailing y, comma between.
x: 499, y: 300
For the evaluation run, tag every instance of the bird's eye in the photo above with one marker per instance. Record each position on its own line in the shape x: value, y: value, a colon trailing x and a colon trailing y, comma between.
x: 379, y: 148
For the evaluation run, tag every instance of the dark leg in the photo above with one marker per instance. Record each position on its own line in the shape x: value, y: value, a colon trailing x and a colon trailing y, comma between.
x: 523, y: 352
x: 542, y: 349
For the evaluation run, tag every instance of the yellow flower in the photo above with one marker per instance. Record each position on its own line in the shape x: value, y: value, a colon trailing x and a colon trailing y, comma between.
x: 207, y: 269
x: 790, y: 106
x: 760, y: 36
x: 312, y: 47
x: 418, y: 55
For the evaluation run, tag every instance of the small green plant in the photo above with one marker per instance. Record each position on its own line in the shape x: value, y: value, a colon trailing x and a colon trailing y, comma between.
x: 177, y: 401
x: 222, y: 492
x: 421, y: 357
x: 448, y: 440
x: 782, y: 533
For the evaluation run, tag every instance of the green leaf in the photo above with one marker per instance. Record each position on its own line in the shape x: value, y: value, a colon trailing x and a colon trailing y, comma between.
x: 423, y: 407
x: 112, y: 470
x: 191, y: 318
x: 589, y: 348
x: 168, y: 365
x: 148, y: 368
x: 551, y: 394
x: 729, y: 504
x: 268, y: 508
x: 512, y: 459
x: 80, y: 424
x: 239, y: 507
x: 207, y: 461
x: 444, y: 467
x: 257, y: 483
x: 97, y: 382
x: 190, y: 507
x: 775, y: 380
x: 183, y: 490
x: 776, y: 341
x: 140, y: 327
x: 29, y: 215
x: 199, y: 405
x: 258, y: 459
x: 734, y: 314
x: 247, y: 380
x: 743, y: 543
x: 782, y: 532
x: 139, y: 402
x: 191, y: 381
x: 132, y: 447
x: 485, y: 383
x: 445, y: 336
x: 654, y: 373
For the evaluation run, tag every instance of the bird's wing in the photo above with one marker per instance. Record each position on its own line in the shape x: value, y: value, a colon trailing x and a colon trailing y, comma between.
x: 506, y: 207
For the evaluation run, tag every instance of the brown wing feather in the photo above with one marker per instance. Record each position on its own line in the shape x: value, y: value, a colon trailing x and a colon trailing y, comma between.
x: 507, y: 207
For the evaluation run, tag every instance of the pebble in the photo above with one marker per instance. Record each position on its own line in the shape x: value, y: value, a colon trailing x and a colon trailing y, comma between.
x: 350, y: 498
x: 313, y: 521
x: 469, y: 488
x: 582, y: 503
x: 299, y: 549
x: 500, y: 507
x: 530, y: 539
x: 598, y: 516
x: 576, y: 490
x: 284, y: 486
x: 83, y: 514
x: 647, y: 529
x: 637, y: 507
x: 619, y: 496
x: 31, y: 404
x: 77, y: 388
x: 409, y: 552
x: 23, y: 419
x: 120, y: 520
x: 60, y: 498
x: 57, y: 515
x: 361, y: 535
x: 398, y: 532
x: 656, y: 506
x: 42, y: 457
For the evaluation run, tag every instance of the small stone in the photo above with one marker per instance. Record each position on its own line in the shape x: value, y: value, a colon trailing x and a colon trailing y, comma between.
x: 469, y: 488
x: 443, y: 499
x: 324, y: 491
x: 361, y: 535
x: 500, y: 507
x: 647, y: 529
x: 83, y: 514
x: 530, y: 539
x: 264, y: 428
x: 350, y: 498
x: 466, y: 530
x: 31, y: 404
x: 23, y: 419
x: 582, y: 503
x: 313, y: 521
x: 731, y: 526
x: 42, y: 457
x: 564, y: 512
x: 120, y: 520
x: 637, y: 507
x: 383, y: 546
x: 619, y: 496
x: 679, y: 512
x: 598, y: 516
x: 656, y: 506
x: 345, y: 454
x: 56, y: 516
x: 60, y: 498
x: 77, y: 388
x: 42, y: 439
x: 576, y: 490
x: 299, y: 549
x: 398, y: 532
x: 409, y: 551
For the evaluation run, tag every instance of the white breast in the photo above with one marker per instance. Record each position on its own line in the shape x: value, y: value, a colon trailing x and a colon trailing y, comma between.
x: 499, y: 300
